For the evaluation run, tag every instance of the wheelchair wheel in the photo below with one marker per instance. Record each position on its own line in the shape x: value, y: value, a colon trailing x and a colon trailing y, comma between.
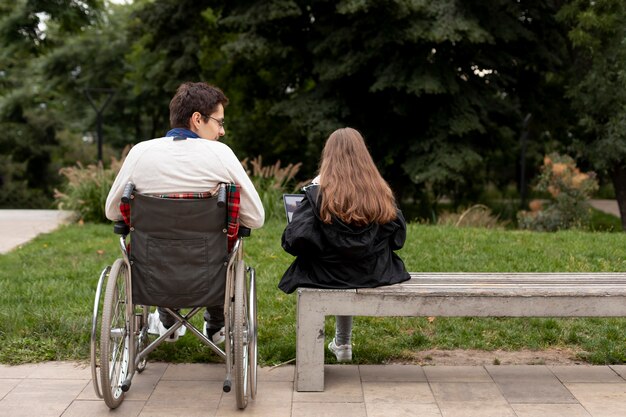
x: 241, y: 337
x: 95, y: 330
x: 115, y: 336
x: 252, y: 334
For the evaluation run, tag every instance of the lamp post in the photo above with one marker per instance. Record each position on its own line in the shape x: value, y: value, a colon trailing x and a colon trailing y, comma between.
x: 109, y: 92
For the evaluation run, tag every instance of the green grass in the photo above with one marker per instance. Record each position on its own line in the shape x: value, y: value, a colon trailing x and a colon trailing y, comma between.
x: 604, y: 222
x: 47, y: 288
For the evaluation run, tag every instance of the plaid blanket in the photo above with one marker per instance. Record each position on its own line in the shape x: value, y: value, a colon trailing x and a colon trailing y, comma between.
x: 232, y: 218
x: 206, y: 194
x: 125, y: 209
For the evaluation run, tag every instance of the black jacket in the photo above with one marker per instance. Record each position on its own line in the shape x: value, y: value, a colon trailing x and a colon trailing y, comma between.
x: 340, y: 255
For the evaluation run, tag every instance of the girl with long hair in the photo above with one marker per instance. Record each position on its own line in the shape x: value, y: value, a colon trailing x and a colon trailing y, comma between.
x: 346, y: 229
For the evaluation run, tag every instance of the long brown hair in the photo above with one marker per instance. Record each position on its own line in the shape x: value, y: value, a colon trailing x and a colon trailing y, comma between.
x: 351, y: 188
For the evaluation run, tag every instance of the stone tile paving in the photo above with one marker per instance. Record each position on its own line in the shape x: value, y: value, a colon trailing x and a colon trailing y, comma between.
x: 63, y: 389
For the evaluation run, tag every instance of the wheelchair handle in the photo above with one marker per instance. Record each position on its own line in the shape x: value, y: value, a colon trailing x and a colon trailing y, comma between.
x: 221, y: 196
x: 128, y: 191
x: 244, y: 231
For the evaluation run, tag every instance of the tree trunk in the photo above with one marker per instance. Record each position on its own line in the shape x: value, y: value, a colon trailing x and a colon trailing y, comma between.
x: 618, y: 175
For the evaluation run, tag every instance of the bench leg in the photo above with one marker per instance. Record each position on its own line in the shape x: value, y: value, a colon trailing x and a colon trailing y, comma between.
x: 309, y: 350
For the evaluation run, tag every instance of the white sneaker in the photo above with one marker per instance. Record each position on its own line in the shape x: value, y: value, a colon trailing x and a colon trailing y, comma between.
x: 342, y: 352
x: 156, y: 327
x: 172, y: 338
x: 217, y: 337
x: 153, y: 322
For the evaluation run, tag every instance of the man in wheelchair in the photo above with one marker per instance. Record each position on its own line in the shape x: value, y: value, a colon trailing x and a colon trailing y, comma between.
x: 189, y: 162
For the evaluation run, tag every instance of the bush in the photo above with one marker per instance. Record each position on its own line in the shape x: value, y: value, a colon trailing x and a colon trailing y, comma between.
x: 14, y: 188
x: 271, y: 182
x: 569, y: 191
x: 86, y: 189
x: 477, y: 215
x: 604, y: 222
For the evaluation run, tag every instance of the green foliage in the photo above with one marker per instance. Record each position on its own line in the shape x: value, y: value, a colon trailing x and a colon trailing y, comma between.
x: 437, y: 88
x: 31, y: 112
x: 569, y: 189
x: 171, y: 41
x: 15, y: 191
x: 433, y: 86
x: 596, y: 85
x: 604, y: 222
x: 86, y: 189
x: 477, y: 215
x: 271, y: 182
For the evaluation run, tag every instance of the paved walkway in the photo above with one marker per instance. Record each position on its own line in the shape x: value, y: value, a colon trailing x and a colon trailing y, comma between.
x: 64, y: 389
x: 607, y: 206
x: 20, y: 226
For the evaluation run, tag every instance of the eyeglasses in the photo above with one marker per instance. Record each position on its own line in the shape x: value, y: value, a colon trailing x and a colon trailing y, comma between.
x: 219, y: 122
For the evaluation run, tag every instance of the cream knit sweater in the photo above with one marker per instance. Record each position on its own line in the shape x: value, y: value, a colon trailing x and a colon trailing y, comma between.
x: 165, y: 165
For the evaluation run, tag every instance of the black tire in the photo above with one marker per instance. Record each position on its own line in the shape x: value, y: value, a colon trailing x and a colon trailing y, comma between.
x: 94, y: 345
x: 115, y: 336
x: 240, y: 337
x: 252, y: 334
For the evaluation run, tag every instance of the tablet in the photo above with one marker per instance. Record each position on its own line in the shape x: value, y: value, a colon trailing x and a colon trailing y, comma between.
x: 291, y: 201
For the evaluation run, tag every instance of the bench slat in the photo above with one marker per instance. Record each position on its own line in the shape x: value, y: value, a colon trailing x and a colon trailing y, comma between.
x: 511, y: 284
x: 620, y: 276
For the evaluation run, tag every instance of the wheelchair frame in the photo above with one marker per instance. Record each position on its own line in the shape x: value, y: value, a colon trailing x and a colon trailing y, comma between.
x: 121, y: 345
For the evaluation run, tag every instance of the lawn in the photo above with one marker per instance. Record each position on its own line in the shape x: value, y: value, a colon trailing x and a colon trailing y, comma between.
x: 47, y: 288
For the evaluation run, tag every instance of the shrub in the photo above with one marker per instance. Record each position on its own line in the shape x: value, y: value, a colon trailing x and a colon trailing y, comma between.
x: 569, y: 190
x: 86, y: 188
x: 271, y: 182
x: 15, y: 191
x: 477, y: 215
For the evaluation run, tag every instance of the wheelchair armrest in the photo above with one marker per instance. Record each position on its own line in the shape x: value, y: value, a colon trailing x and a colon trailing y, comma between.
x: 244, y: 231
x: 121, y: 228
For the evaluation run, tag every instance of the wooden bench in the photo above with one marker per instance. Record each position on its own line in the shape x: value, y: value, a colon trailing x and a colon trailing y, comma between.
x: 453, y: 295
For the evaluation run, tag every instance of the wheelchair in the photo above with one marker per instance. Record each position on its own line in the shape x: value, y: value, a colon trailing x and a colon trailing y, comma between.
x: 178, y: 257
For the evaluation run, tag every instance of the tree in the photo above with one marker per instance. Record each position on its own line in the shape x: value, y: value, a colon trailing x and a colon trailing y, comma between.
x: 28, y: 31
x: 437, y: 88
x: 597, y: 86
x: 174, y: 41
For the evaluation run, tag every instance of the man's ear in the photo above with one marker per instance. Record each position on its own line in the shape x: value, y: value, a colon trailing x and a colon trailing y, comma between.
x: 194, y: 121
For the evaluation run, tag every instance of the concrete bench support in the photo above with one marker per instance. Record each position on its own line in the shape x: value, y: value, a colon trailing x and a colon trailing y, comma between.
x: 453, y: 295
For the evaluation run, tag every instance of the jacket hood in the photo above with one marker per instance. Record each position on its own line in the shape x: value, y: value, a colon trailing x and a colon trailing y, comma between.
x: 347, y: 240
